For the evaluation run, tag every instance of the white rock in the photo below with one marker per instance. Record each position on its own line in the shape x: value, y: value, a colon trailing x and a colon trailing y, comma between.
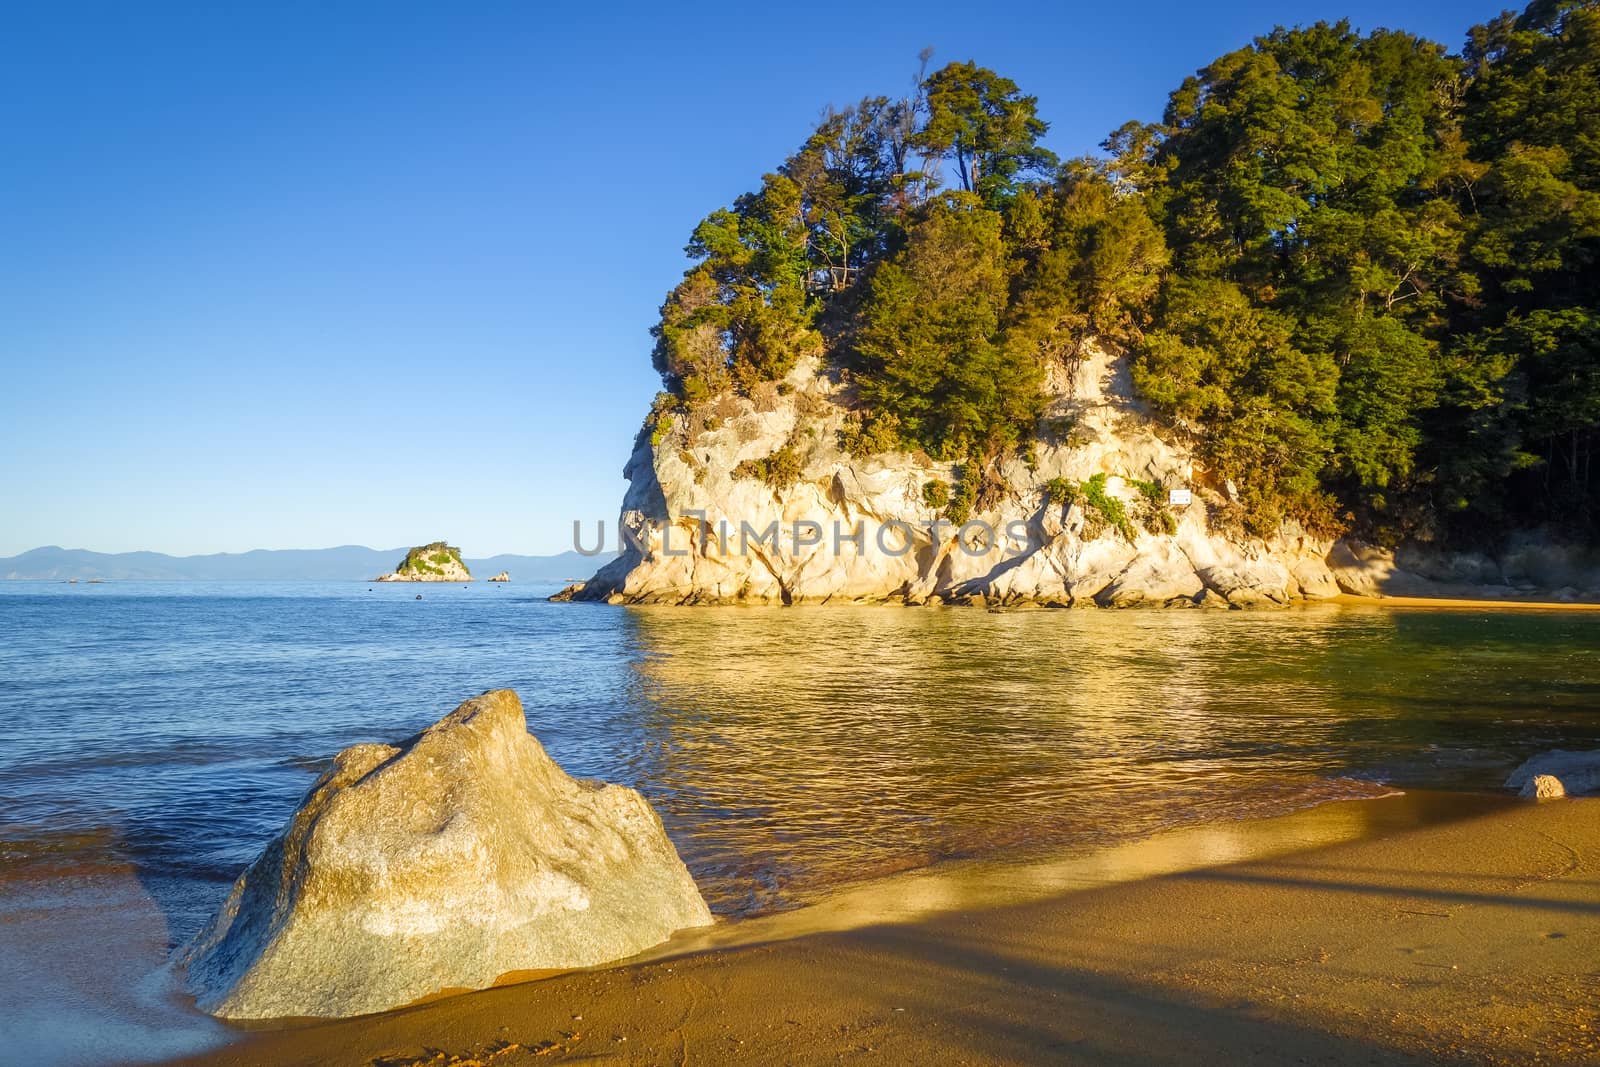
x: 1566, y: 774
x: 695, y: 520
x: 1544, y: 787
x: 440, y: 863
x: 1161, y: 576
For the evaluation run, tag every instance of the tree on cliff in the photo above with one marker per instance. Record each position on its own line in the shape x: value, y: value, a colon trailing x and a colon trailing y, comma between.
x: 930, y: 345
x: 1360, y: 270
x: 986, y: 127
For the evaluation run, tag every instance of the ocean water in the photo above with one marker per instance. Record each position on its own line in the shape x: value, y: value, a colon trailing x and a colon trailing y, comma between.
x: 168, y: 730
x: 177, y: 725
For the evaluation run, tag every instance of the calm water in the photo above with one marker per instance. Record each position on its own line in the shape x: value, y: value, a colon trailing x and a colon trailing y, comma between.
x: 175, y: 726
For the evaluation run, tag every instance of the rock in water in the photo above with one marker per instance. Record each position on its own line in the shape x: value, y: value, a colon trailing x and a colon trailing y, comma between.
x: 436, y: 562
x: 1557, y: 773
x: 1544, y: 787
x: 440, y: 863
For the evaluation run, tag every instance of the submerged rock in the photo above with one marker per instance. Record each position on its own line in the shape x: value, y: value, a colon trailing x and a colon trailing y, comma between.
x: 1557, y: 773
x: 440, y: 863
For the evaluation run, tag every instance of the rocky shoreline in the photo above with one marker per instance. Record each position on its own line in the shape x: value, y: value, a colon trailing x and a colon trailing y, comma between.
x: 754, y: 500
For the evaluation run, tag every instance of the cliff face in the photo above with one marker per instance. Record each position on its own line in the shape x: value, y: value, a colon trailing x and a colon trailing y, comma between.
x: 1092, y: 521
x: 437, y: 562
x: 696, y: 524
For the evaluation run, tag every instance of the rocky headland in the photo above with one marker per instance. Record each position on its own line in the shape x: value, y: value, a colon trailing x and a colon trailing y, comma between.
x: 437, y: 562
x: 754, y: 499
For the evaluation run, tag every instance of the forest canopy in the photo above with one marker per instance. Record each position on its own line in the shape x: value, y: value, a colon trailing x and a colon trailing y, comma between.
x: 1358, y: 271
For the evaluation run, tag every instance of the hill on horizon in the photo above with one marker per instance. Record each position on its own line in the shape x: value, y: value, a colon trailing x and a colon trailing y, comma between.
x: 354, y: 563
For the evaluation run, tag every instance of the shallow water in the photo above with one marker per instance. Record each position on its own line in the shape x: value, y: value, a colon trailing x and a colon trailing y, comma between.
x: 176, y: 725
x: 158, y: 734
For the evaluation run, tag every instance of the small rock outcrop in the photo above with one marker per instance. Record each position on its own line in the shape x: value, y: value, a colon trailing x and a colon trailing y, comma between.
x: 1557, y: 773
x: 503, y: 576
x: 443, y: 862
x: 437, y: 562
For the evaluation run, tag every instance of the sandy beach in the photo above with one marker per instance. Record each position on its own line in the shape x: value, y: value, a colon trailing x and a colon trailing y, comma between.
x: 1475, y: 940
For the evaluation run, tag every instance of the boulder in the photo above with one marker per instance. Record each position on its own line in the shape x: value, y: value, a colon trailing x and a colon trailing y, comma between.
x: 503, y: 576
x: 1161, y: 576
x: 1360, y: 570
x: 1557, y: 773
x: 1316, y: 581
x: 440, y: 863
x: 1544, y: 787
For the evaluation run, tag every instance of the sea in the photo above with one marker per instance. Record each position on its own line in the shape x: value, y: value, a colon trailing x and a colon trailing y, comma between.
x: 156, y: 735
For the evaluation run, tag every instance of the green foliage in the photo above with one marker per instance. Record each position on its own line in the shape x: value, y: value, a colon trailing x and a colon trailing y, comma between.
x: 985, y: 126
x: 969, y: 477
x: 936, y: 493
x: 929, y: 347
x: 1061, y: 491
x: 1264, y: 408
x: 780, y: 470
x: 429, y: 559
x: 1360, y: 273
x: 1150, y: 491
x: 870, y: 434
x: 1151, y: 511
x: 1109, y: 507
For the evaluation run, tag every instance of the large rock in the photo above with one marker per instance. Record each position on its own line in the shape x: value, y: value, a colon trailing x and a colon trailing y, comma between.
x: 1557, y: 773
x: 700, y: 477
x: 1162, y: 576
x: 440, y: 863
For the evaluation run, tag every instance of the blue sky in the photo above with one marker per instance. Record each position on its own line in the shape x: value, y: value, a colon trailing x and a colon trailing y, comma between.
x: 305, y: 274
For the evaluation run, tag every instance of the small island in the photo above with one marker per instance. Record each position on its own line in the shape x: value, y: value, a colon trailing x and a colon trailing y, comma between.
x: 436, y: 562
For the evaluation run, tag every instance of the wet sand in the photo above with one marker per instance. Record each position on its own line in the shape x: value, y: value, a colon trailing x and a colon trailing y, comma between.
x: 1474, y: 940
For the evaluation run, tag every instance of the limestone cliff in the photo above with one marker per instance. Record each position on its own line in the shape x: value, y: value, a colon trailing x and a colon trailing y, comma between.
x: 1110, y: 509
x: 437, y: 562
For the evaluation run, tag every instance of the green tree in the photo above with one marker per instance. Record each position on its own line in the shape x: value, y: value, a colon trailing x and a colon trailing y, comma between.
x: 985, y: 126
x: 1229, y: 370
x: 929, y: 349
x: 742, y: 313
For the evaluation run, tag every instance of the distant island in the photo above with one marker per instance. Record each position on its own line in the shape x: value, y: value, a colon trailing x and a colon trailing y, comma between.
x: 436, y: 562
x: 346, y: 563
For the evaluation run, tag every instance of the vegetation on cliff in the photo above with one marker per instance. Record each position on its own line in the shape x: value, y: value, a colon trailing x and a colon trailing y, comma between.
x: 436, y: 560
x: 1360, y: 271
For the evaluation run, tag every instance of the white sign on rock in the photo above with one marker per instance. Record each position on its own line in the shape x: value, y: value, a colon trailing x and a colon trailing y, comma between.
x: 1180, y: 497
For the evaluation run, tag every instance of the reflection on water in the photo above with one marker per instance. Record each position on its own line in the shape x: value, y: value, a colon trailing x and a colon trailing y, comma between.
x: 794, y: 750
x: 789, y: 751
x: 157, y: 735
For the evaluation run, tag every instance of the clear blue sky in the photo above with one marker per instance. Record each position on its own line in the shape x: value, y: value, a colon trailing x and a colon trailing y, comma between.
x: 301, y: 274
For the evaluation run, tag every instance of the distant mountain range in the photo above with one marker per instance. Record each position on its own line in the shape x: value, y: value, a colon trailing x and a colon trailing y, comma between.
x: 347, y: 562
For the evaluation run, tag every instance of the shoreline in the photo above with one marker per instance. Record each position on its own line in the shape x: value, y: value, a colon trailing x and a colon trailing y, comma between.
x: 1406, y: 928
x: 1463, y: 603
